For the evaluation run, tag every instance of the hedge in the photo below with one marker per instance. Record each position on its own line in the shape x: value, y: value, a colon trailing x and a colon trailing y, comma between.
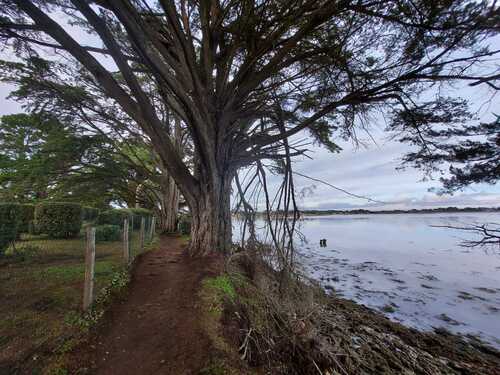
x: 112, y: 217
x: 108, y: 232
x: 10, y: 214
x: 136, y: 214
x: 89, y: 213
x: 116, y: 216
x: 27, y: 215
x: 58, y: 220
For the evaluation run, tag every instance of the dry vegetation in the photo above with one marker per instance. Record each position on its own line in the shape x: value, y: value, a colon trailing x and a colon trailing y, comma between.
x: 299, y: 329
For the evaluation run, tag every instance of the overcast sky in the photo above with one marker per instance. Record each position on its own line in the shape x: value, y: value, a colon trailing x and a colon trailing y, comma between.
x: 369, y: 171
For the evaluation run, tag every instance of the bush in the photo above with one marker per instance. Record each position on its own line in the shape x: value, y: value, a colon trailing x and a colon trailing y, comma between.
x: 108, y: 232
x: 89, y: 213
x: 27, y: 215
x: 58, y: 220
x: 112, y: 217
x: 10, y: 214
x: 136, y: 214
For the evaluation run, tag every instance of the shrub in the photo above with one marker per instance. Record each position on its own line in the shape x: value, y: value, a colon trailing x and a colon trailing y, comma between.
x: 27, y: 215
x: 184, y: 225
x: 112, y: 217
x: 10, y: 214
x: 108, y: 232
x: 58, y: 220
x: 89, y: 213
x: 136, y: 214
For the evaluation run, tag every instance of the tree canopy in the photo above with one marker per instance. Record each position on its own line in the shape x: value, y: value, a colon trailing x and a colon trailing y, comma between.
x: 245, y: 76
x: 44, y: 158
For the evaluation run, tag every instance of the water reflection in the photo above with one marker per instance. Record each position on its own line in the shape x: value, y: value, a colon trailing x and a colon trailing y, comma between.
x: 412, y: 272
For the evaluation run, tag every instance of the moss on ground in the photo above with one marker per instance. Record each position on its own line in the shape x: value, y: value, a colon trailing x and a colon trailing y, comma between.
x: 217, y: 295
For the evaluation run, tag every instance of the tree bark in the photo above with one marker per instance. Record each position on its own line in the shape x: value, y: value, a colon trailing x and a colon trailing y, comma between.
x: 169, y: 205
x: 211, y: 228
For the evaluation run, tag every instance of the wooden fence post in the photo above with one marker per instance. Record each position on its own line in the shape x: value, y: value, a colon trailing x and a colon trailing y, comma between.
x: 152, y: 229
x: 142, y: 233
x: 88, y: 288
x: 126, y: 246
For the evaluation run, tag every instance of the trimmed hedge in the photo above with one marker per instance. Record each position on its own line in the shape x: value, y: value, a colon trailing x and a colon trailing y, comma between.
x: 89, y: 213
x: 58, y: 220
x: 112, y: 217
x: 136, y: 214
x: 27, y: 215
x: 108, y: 232
x: 10, y: 214
x: 116, y: 216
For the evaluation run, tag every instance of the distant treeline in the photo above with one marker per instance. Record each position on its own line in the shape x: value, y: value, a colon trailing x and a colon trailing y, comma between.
x: 413, y: 211
x: 369, y: 212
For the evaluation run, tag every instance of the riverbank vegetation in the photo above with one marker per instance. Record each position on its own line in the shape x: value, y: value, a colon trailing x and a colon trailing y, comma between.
x: 287, y: 324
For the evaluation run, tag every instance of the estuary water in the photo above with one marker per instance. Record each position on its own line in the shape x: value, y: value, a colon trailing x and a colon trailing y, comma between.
x: 412, y: 272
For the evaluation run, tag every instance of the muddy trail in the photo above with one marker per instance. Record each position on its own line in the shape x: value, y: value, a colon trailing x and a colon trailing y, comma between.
x: 156, y: 328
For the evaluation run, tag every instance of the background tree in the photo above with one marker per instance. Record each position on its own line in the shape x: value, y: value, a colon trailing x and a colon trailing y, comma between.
x: 45, y: 158
x: 470, y: 152
x: 245, y: 76
x: 38, y: 152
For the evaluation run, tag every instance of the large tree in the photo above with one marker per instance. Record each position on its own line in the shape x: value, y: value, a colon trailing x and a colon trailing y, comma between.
x: 244, y: 76
x: 41, y: 154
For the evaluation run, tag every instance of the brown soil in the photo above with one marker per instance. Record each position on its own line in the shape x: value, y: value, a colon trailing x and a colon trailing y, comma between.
x: 157, y: 328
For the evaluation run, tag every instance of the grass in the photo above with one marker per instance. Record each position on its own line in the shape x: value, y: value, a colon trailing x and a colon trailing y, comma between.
x: 41, y: 284
x: 222, y: 285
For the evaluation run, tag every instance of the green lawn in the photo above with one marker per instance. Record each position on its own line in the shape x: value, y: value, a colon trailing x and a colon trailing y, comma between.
x: 41, y: 289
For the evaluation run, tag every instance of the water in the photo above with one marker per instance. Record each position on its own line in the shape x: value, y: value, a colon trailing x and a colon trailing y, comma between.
x: 412, y: 272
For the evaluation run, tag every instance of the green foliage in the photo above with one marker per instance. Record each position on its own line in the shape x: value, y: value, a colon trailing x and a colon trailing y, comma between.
x: 9, y: 220
x: 58, y: 220
x: 107, y: 232
x: 26, y: 253
x: 112, y: 217
x: 223, y: 286
x: 48, y: 149
x: 89, y: 213
x: 119, y: 281
x: 136, y: 214
x: 184, y: 225
x: 27, y: 215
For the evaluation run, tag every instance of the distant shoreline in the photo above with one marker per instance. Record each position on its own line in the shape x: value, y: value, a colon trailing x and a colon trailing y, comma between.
x: 413, y: 211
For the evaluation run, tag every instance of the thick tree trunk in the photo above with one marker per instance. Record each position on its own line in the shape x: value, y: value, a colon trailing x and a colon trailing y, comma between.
x: 169, y: 192
x: 169, y: 206
x: 211, y: 230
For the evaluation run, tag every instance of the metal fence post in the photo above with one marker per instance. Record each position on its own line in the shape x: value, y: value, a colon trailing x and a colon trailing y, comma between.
x: 88, y: 289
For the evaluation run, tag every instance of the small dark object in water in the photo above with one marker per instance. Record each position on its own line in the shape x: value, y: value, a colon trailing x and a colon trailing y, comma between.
x: 322, y: 243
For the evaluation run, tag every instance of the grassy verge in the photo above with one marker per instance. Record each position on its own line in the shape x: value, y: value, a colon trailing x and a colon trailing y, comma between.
x: 219, y: 298
x: 41, y: 284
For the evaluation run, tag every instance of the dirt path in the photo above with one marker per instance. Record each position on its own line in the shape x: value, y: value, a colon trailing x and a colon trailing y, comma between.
x: 156, y: 329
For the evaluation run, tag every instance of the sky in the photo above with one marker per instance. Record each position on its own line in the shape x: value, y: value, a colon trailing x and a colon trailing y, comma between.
x: 371, y: 170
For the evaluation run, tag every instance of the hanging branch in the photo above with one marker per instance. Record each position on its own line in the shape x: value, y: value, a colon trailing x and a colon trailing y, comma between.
x: 488, y: 234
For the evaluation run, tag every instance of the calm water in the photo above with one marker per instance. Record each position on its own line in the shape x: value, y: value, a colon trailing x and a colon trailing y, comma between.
x: 414, y: 273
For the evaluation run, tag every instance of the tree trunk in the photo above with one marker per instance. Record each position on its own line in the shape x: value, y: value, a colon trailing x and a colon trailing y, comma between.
x: 169, y: 203
x: 211, y: 230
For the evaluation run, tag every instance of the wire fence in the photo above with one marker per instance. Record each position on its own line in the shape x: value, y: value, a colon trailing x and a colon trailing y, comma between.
x: 63, y: 260
x: 44, y: 284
